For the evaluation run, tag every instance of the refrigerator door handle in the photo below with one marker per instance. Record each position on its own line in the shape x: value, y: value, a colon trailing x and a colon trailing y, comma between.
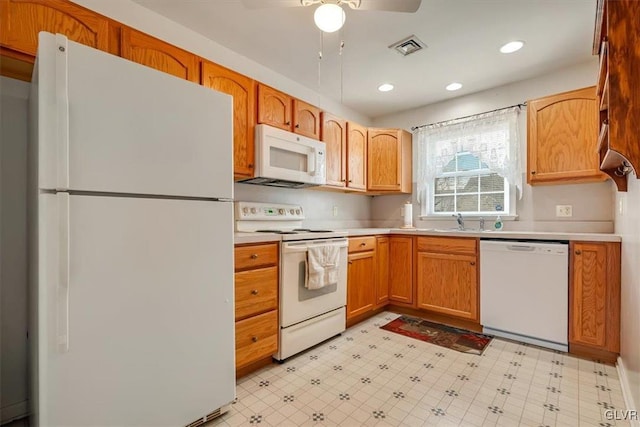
x: 63, y: 274
x: 62, y: 110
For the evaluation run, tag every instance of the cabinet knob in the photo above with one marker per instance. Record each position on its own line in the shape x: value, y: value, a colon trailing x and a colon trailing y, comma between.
x: 254, y: 256
x: 254, y: 339
x: 350, y: 180
x: 297, y: 125
x: 288, y: 123
x: 472, y: 263
x: 363, y: 244
x: 343, y: 180
x: 350, y: 262
x: 533, y: 172
x: 250, y: 165
x: 254, y: 292
x: 578, y: 252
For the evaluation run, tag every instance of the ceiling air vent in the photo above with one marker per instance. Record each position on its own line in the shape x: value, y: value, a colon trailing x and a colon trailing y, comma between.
x: 408, y: 45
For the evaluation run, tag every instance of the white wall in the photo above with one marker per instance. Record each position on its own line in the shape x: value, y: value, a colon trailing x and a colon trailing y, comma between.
x: 13, y: 248
x: 145, y: 20
x: 353, y: 210
x: 592, y: 203
x: 628, y: 226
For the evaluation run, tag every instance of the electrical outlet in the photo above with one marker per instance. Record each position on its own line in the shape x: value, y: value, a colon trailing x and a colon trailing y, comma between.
x: 621, y: 206
x: 564, y: 210
x: 335, y: 211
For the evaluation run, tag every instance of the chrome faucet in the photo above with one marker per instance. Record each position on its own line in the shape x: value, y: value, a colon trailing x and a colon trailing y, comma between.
x: 460, y: 221
x: 481, y: 224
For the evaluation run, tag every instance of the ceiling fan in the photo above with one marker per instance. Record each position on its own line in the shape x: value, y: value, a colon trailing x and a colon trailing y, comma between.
x: 330, y: 16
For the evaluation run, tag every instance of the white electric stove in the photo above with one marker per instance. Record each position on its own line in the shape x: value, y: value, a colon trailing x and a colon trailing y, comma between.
x: 306, y: 317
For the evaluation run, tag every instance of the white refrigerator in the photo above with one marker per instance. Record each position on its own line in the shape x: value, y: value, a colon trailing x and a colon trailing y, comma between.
x: 131, y: 221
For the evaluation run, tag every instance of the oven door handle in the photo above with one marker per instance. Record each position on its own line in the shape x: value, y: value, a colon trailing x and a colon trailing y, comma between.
x: 303, y: 248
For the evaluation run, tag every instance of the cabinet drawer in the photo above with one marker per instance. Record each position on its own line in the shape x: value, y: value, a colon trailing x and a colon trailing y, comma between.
x: 256, y: 291
x: 361, y: 244
x: 256, y: 337
x: 256, y: 256
x: 454, y: 245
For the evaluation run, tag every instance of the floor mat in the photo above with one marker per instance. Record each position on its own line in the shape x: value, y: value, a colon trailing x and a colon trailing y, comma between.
x: 442, y: 335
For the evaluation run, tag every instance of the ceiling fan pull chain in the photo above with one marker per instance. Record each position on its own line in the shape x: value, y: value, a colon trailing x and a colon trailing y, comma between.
x: 341, y: 68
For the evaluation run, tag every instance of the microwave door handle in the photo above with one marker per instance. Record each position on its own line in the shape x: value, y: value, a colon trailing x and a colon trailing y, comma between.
x: 311, y: 162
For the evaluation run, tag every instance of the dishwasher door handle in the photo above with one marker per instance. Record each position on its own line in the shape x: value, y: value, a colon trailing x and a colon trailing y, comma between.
x: 521, y: 248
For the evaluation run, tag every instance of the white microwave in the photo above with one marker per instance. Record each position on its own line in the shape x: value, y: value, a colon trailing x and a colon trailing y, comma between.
x: 284, y: 159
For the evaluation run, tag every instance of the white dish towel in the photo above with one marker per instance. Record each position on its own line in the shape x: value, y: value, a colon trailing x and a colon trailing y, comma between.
x: 322, y: 266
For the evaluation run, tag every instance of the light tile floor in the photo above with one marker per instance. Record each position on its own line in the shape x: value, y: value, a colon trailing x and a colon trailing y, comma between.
x: 369, y: 376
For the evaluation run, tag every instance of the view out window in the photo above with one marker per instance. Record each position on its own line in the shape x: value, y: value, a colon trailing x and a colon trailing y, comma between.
x: 469, y: 166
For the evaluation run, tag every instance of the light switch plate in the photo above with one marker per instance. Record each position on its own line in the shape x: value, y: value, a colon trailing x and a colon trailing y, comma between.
x: 564, y: 211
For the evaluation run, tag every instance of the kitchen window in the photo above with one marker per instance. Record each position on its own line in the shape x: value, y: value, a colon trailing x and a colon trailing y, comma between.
x: 471, y: 166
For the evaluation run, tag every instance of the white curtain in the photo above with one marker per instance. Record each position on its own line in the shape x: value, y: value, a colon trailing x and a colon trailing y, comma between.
x: 491, y: 137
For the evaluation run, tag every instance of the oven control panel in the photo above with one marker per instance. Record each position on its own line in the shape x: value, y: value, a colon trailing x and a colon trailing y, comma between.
x: 254, y: 211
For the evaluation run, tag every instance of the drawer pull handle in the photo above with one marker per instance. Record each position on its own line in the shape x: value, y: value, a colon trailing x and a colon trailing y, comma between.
x: 254, y: 339
x: 254, y: 256
x: 363, y: 244
x: 578, y: 252
x: 254, y: 292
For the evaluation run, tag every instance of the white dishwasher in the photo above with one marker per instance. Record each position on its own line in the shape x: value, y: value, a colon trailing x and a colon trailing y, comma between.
x: 524, y: 291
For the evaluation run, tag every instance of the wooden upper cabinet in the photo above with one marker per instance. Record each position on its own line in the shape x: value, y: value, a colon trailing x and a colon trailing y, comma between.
x: 594, y: 307
x: 562, y: 136
x: 146, y: 50
x: 356, y: 157
x: 334, y: 135
x: 401, y: 269
x: 306, y: 119
x: 274, y: 107
x: 389, y: 160
x: 243, y: 91
x: 22, y: 20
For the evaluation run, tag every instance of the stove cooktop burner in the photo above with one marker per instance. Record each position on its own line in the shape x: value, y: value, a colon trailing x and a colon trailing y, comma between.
x: 294, y: 231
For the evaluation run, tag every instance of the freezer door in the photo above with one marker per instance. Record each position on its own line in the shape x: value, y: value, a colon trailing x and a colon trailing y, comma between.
x: 136, y: 319
x: 110, y: 125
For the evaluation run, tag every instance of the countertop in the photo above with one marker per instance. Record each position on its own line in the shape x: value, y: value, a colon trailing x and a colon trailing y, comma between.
x: 241, y: 238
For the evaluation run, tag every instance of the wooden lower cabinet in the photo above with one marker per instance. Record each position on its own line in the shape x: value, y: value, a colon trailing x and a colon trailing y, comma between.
x: 382, y: 271
x: 256, y: 302
x: 447, y: 279
x: 594, y: 295
x: 256, y: 337
x: 361, y: 278
x: 401, y: 269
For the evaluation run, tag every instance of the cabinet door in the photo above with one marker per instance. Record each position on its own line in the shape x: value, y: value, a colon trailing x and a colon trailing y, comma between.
x: 448, y: 284
x: 243, y: 91
x: 361, y: 289
x: 146, y: 50
x: 274, y: 107
x: 401, y: 269
x: 306, y: 119
x: 594, y: 317
x: 383, y: 156
x: 22, y: 20
x: 356, y: 157
x: 382, y: 276
x: 562, y: 137
x: 334, y: 135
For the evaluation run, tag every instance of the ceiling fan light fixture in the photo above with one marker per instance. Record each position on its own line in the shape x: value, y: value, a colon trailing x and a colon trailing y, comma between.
x: 329, y: 17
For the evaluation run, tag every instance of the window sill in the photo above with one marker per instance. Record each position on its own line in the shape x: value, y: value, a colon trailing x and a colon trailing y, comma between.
x: 472, y: 217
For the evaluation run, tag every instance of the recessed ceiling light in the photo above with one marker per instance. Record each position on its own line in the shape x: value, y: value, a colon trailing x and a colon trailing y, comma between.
x: 512, y: 46
x: 385, y: 87
x: 454, y: 86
